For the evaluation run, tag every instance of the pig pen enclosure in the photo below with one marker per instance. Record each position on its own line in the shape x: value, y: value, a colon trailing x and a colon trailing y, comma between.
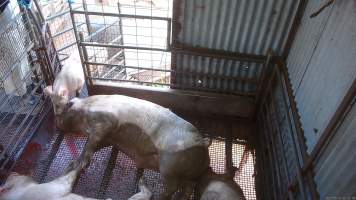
x: 220, y: 65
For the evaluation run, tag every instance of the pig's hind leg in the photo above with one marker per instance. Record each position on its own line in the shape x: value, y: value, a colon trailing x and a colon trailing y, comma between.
x: 182, y: 169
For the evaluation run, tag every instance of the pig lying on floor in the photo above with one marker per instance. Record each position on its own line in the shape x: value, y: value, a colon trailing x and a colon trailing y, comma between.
x: 154, y: 137
x: 214, y: 186
x: 68, y: 82
x: 18, y: 187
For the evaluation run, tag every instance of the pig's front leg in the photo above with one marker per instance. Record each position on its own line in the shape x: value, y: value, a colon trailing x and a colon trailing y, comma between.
x: 96, y: 127
x: 84, y: 159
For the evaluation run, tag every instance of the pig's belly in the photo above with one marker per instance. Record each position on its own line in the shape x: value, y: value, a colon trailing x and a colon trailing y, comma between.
x: 135, y: 143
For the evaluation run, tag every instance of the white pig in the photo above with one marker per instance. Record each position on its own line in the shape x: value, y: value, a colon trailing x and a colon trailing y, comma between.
x: 214, y: 186
x: 19, y: 187
x: 153, y: 136
x: 68, y: 82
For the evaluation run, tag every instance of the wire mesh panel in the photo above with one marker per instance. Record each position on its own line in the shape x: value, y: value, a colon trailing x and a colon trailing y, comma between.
x: 126, y: 40
x: 56, y: 14
x: 28, y: 61
x: 21, y: 80
x: 280, y: 153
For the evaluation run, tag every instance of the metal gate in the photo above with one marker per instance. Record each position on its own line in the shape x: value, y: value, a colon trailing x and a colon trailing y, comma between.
x: 125, y: 42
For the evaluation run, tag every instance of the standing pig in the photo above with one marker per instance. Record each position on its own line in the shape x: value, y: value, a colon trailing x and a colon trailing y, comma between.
x: 154, y: 137
x: 68, y: 82
x: 214, y: 186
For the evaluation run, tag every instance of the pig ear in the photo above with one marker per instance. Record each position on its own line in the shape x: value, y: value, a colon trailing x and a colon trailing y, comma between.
x: 48, y: 90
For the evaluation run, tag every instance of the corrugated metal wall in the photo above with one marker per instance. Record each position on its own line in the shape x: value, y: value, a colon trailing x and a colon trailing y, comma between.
x: 322, y: 63
x: 335, y: 172
x: 244, y: 26
x: 278, y: 152
x: 322, y: 68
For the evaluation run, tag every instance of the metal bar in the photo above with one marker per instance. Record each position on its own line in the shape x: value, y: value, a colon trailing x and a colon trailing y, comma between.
x: 87, y: 21
x: 66, y: 30
x: 169, y: 23
x: 108, y: 173
x: 95, y: 44
x: 228, y: 152
x: 249, y: 94
x: 51, y: 155
x: 264, y: 76
x: 90, y: 36
x: 250, y: 80
x: 120, y: 15
x: 39, y: 11
x: 221, y: 54
x: 60, y: 14
x: 85, y: 57
x: 67, y: 46
x: 77, y: 39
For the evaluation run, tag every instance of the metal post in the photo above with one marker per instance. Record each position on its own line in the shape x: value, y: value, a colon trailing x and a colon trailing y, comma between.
x: 85, y: 56
x: 85, y: 7
x: 78, y: 43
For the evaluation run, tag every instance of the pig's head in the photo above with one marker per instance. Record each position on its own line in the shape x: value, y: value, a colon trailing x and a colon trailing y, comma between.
x: 59, y: 98
x: 70, y: 119
x: 14, y: 181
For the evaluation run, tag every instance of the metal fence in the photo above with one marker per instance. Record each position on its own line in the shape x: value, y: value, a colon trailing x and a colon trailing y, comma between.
x: 124, y: 41
x: 26, y: 65
x: 281, y: 151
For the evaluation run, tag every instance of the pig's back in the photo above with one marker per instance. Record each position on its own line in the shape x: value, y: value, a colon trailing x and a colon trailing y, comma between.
x: 165, y: 128
x: 219, y: 190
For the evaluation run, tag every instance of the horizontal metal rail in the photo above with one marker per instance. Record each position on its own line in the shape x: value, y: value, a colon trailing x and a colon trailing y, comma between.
x: 66, y: 30
x: 251, y: 80
x: 174, y: 85
x: 120, y: 15
x: 59, y: 14
x: 67, y: 46
x: 95, y: 44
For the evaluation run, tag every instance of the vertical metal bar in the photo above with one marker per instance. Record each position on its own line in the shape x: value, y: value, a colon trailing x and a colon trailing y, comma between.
x: 228, y: 151
x: 38, y: 7
x: 263, y: 78
x: 108, y: 173
x: 50, y: 157
x: 85, y: 8
x: 122, y: 37
x: 169, y: 24
x: 85, y: 56
x: 78, y: 45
